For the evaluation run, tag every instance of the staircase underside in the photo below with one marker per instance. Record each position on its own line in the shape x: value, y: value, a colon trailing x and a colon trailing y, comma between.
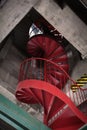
x: 71, y: 116
x: 45, y: 80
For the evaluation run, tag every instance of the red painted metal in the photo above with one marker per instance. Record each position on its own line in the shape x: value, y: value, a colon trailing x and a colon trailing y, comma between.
x: 46, y: 47
x: 45, y: 80
x: 44, y: 25
x: 68, y: 116
x: 53, y: 106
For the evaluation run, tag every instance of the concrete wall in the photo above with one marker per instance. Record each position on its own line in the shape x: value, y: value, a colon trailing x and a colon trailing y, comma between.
x: 66, y: 22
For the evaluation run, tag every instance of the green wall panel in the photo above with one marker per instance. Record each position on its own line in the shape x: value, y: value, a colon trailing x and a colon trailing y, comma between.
x: 17, y: 117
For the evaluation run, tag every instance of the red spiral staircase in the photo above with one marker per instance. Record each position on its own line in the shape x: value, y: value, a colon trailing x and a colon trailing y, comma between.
x: 45, y: 80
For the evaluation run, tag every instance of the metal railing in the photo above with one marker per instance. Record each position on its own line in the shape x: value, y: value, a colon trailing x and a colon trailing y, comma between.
x: 46, y: 70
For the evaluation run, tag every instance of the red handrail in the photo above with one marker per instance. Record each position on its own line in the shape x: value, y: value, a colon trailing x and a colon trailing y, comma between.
x: 77, y: 97
x: 38, y: 74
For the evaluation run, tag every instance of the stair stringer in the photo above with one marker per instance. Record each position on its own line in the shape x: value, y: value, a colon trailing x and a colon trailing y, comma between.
x: 47, y: 87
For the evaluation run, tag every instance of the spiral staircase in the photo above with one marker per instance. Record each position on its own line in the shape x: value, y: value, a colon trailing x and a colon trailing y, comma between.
x: 44, y: 79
